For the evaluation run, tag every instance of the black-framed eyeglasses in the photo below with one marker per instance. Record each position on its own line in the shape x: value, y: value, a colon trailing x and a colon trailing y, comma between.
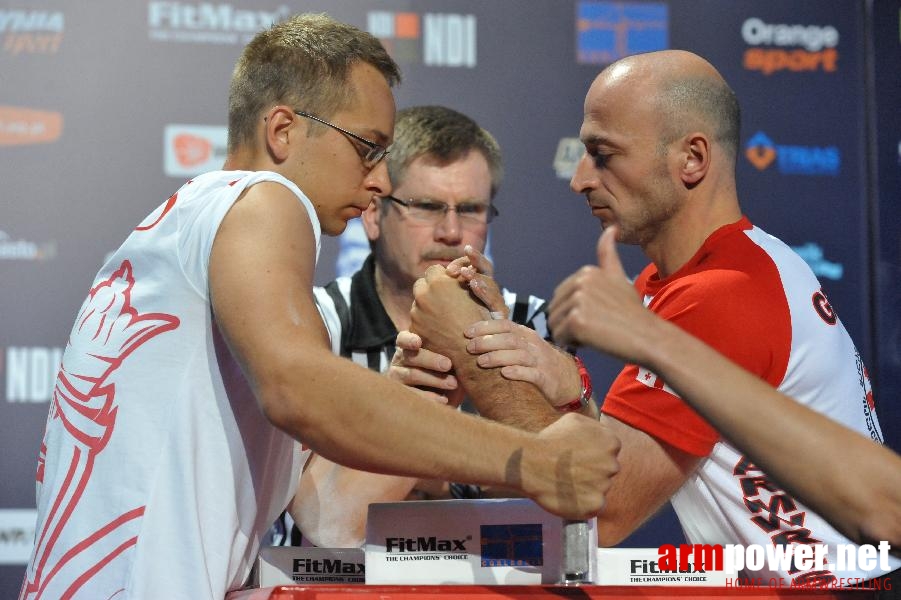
x: 434, y: 211
x: 371, y: 158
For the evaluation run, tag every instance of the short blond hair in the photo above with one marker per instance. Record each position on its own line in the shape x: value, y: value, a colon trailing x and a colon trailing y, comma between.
x: 304, y: 62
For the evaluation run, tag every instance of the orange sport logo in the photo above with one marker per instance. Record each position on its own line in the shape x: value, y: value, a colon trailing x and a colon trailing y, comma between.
x: 794, y: 48
x: 19, y: 126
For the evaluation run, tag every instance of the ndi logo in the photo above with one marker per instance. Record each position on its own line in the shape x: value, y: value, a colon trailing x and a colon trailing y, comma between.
x: 437, y: 39
x: 31, y: 372
x: 761, y: 152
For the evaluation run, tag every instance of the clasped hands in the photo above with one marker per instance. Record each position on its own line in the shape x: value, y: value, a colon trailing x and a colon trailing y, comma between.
x: 459, y: 312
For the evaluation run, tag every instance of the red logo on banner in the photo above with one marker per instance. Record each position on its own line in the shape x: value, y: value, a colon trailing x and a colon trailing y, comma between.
x: 191, y: 150
x: 28, y: 126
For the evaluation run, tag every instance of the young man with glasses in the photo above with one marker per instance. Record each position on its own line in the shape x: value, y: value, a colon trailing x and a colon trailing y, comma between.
x: 199, y: 357
x: 445, y: 170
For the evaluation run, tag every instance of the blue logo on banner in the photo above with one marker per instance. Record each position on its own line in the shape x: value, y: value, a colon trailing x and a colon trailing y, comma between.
x: 608, y: 31
x: 512, y: 545
x: 812, y: 254
x: 761, y: 152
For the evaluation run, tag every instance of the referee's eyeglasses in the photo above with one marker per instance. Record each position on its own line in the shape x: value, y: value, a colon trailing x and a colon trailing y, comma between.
x: 433, y: 212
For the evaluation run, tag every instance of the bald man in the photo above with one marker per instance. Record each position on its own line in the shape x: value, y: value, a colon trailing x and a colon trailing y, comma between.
x: 661, y: 136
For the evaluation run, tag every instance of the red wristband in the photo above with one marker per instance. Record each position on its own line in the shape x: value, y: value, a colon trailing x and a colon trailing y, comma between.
x: 582, y: 401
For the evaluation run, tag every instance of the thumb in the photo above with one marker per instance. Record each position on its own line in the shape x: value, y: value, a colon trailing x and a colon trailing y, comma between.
x: 608, y: 257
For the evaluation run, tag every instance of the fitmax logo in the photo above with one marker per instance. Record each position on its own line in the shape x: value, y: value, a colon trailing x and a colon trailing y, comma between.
x: 424, y: 544
x: 761, y: 152
x: 208, y: 22
x: 328, y: 566
x: 643, y: 567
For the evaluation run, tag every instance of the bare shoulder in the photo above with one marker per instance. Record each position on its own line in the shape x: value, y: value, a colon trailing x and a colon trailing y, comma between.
x: 272, y: 205
x: 262, y: 264
x: 267, y: 225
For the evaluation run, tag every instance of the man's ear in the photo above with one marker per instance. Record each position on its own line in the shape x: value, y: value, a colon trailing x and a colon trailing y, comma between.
x: 695, y: 158
x: 371, y: 219
x: 281, y: 129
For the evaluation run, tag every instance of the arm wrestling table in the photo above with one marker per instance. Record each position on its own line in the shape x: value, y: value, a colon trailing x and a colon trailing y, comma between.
x: 536, y: 592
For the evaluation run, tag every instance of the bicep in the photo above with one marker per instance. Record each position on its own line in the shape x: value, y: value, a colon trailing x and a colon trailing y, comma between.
x: 261, y: 273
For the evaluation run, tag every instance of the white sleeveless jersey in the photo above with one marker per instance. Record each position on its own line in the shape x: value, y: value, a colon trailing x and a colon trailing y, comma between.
x: 158, y: 473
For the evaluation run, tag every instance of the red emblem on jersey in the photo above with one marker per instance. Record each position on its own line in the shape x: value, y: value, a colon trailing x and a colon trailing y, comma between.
x: 107, y: 331
x: 823, y: 308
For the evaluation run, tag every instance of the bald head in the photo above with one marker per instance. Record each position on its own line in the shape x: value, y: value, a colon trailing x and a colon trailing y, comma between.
x: 680, y: 90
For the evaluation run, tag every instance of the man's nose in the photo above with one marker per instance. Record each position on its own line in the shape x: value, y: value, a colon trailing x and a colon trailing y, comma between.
x: 584, y: 177
x: 377, y: 180
x: 448, y: 228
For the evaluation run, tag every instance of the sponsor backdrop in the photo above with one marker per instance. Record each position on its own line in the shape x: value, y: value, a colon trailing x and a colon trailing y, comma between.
x: 106, y: 110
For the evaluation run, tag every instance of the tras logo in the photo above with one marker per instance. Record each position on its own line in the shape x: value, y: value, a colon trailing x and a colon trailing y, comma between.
x: 435, y: 40
x: 794, y: 48
x: 31, y: 31
x: 608, y: 31
x: 813, y: 255
x: 762, y: 152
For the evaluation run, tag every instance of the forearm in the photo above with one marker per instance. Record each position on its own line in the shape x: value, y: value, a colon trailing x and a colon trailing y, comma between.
x: 650, y: 473
x: 442, y: 312
x: 359, y: 431
x: 846, y: 477
x: 515, y: 403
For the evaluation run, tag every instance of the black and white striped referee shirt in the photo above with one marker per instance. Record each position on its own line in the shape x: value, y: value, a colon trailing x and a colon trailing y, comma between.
x: 362, y: 331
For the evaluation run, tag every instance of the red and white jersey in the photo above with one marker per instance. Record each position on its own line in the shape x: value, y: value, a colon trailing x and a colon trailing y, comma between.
x: 158, y: 473
x: 752, y: 298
